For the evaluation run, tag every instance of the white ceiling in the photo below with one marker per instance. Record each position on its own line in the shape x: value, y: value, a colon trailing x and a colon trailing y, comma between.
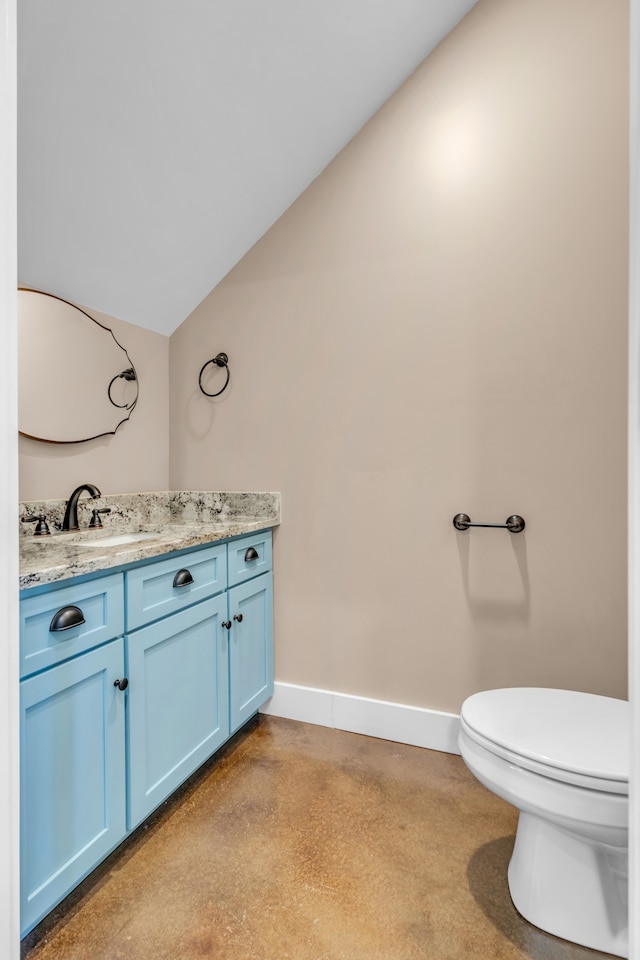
x: 158, y: 141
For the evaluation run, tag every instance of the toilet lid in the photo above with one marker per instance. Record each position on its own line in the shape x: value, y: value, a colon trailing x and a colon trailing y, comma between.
x: 564, y: 729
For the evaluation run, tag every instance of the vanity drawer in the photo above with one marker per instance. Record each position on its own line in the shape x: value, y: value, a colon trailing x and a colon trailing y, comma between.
x: 157, y: 589
x: 51, y: 632
x: 243, y: 564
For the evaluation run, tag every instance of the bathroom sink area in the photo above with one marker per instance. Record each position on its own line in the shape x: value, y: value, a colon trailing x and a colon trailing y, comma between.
x: 115, y: 540
x: 137, y: 528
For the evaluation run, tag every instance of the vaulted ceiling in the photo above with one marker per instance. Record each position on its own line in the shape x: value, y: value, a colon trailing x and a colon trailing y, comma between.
x: 158, y: 141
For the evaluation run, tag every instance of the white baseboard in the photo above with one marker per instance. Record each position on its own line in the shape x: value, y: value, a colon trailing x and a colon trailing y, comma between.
x: 374, y: 718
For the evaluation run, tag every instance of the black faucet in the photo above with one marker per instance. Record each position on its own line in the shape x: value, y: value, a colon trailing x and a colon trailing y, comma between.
x: 70, y: 521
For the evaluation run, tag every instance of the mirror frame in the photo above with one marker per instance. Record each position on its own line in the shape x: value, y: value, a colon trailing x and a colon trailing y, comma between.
x: 131, y: 369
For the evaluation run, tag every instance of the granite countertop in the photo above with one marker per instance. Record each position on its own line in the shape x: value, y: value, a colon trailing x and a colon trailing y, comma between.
x: 62, y: 556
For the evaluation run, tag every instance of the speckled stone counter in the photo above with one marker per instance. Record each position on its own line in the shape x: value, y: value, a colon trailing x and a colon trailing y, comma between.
x: 177, y: 521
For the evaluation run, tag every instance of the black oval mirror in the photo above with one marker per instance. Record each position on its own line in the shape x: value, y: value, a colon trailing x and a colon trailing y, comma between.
x: 76, y: 382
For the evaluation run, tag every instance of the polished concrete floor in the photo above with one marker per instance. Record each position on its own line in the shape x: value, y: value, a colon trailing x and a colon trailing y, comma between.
x: 310, y: 844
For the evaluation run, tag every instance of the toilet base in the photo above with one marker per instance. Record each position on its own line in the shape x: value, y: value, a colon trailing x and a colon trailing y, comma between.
x: 571, y: 888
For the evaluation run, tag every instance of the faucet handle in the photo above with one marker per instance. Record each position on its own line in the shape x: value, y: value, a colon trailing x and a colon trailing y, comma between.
x: 42, y: 527
x: 95, y: 516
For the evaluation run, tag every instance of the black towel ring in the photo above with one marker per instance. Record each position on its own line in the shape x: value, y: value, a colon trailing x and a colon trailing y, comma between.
x: 221, y: 360
x: 128, y: 374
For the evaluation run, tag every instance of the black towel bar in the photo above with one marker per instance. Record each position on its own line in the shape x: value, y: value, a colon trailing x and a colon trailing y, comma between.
x: 514, y: 523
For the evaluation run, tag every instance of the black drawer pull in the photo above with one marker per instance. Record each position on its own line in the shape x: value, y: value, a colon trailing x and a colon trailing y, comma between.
x: 182, y: 578
x: 121, y: 684
x: 66, y: 618
x: 238, y: 617
x: 251, y: 554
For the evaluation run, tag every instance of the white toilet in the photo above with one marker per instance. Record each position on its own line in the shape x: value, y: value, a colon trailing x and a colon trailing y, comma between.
x: 562, y: 758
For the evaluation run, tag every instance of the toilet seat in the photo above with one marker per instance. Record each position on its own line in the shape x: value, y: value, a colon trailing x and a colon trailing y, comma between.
x: 529, y: 728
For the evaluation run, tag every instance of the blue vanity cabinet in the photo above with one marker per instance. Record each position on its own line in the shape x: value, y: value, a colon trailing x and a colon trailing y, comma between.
x: 178, y: 701
x: 189, y: 639
x: 72, y: 745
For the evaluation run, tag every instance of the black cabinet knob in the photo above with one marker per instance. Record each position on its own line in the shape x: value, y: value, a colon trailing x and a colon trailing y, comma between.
x: 227, y: 624
x: 121, y: 684
x: 238, y: 617
x: 182, y: 578
x: 251, y: 554
x: 66, y: 618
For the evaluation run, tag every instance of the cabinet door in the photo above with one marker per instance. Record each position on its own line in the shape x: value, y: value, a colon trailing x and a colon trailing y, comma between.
x: 72, y: 775
x: 178, y: 701
x: 250, y: 648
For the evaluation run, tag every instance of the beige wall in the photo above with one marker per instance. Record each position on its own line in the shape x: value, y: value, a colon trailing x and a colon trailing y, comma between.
x: 439, y: 325
x: 136, y: 457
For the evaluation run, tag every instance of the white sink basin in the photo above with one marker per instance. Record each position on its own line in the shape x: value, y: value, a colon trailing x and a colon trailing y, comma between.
x: 117, y: 540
